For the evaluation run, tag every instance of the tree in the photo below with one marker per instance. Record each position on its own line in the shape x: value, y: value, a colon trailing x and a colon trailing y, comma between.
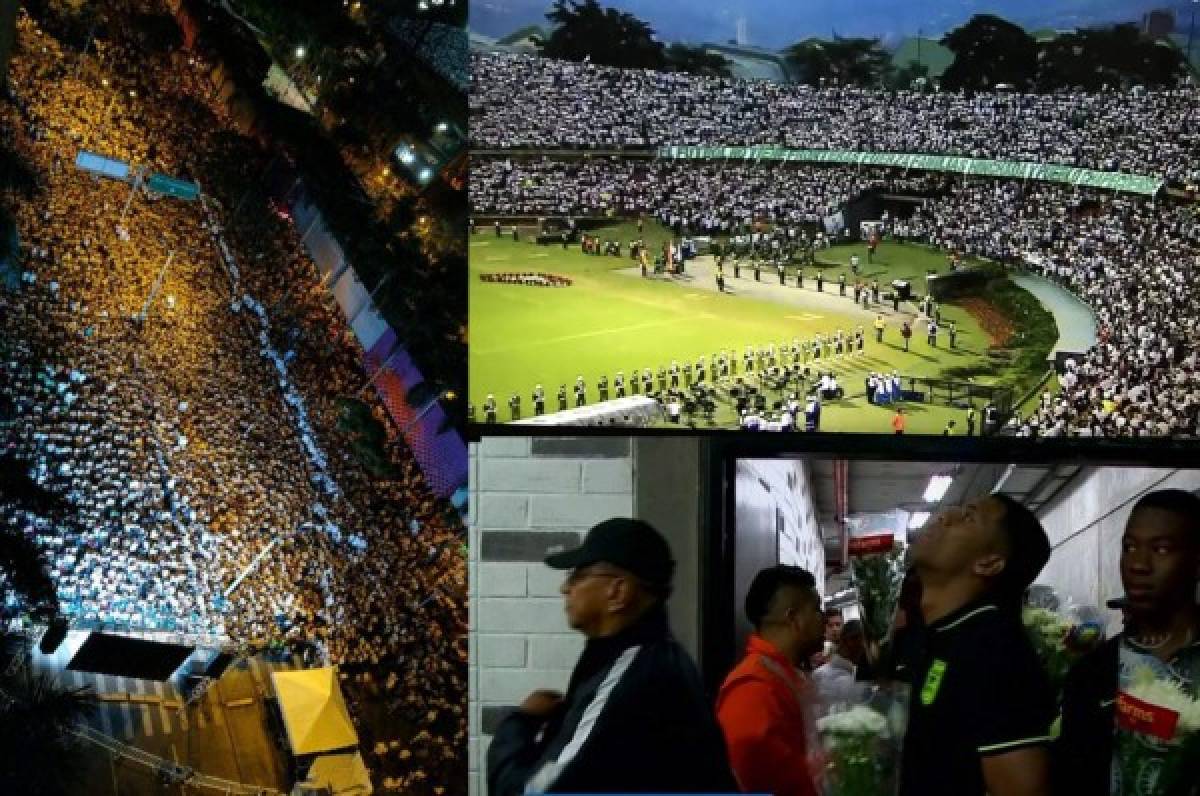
x: 1067, y: 62
x: 585, y: 30
x: 1117, y: 55
x: 22, y: 567
x: 842, y: 61
x: 39, y: 754
x: 697, y: 61
x: 988, y: 51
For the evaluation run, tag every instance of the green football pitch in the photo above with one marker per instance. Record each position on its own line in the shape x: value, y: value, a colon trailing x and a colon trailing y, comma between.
x: 611, y: 319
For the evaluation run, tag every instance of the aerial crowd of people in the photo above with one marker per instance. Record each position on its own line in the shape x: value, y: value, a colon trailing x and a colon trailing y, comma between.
x: 192, y: 425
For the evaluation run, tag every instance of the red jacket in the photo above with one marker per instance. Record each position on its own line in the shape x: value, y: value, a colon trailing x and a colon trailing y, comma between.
x: 765, y: 709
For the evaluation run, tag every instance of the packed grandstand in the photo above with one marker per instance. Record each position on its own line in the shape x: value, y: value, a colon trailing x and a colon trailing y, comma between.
x: 1132, y: 257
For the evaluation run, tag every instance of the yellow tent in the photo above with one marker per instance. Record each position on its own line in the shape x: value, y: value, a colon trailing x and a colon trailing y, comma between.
x: 314, y: 711
x: 342, y: 774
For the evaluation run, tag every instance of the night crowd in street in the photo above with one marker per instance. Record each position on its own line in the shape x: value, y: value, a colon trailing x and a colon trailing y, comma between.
x: 188, y: 443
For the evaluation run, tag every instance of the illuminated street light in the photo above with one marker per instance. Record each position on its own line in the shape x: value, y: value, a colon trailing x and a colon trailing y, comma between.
x: 442, y: 127
x: 426, y: 174
x: 300, y: 51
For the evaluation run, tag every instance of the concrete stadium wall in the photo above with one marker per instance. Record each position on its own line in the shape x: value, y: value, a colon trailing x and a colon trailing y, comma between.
x: 1085, y: 525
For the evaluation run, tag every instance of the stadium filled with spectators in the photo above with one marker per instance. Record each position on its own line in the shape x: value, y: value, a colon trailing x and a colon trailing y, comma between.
x: 567, y: 105
x: 1131, y: 258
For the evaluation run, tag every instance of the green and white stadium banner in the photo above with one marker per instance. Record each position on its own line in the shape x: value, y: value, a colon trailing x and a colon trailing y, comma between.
x: 1049, y: 172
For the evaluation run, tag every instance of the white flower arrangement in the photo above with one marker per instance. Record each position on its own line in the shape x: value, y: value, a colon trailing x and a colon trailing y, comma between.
x: 859, y: 720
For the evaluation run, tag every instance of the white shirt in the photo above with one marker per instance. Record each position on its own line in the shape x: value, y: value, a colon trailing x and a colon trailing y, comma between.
x: 834, y: 682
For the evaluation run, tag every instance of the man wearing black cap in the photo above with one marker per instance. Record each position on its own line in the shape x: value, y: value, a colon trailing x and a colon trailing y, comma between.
x: 635, y: 717
x: 982, y: 705
x: 1160, y: 570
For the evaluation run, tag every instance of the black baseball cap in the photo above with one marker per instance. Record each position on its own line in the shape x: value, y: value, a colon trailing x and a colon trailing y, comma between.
x: 633, y: 545
x: 1028, y: 545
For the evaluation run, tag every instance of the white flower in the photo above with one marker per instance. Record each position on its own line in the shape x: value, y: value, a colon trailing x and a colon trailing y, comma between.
x: 1149, y: 687
x: 859, y: 720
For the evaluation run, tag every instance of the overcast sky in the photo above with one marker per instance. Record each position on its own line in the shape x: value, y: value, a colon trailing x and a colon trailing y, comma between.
x: 777, y: 23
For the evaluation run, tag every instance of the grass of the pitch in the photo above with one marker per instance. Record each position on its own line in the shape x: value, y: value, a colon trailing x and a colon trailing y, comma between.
x: 609, y: 321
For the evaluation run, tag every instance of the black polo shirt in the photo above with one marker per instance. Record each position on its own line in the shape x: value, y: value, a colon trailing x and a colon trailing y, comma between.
x: 978, y: 690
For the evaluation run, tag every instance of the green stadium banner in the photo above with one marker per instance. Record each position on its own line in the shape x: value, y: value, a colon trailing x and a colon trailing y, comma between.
x: 169, y: 186
x: 1024, y: 170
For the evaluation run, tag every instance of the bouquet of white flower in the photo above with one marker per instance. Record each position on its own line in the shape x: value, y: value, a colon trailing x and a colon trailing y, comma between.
x: 862, y: 744
x: 1158, y: 737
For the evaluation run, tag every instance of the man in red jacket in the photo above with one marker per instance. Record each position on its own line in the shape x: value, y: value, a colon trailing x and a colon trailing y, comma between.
x: 765, y: 706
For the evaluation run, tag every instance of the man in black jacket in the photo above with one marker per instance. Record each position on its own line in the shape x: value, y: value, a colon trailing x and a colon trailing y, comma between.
x: 635, y: 717
x: 1160, y: 568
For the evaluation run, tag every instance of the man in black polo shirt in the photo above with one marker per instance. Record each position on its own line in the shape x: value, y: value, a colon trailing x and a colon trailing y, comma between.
x: 1160, y: 569
x: 981, y: 703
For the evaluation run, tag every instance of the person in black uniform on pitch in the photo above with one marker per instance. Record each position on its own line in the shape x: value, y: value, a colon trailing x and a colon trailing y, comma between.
x: 580, y: 392
x: 562, y: 397
x: 514, y: 406
x: 895, y: 300
x: 971, y: 421
x: 757, y: 270
x: 497, y: 228
x: 602, y: 388
x: 539, y: 400
x: 619, y: 383
x: 489, y: 409
x: 514, y: 234
x: 780, y: 266
x: 953, y: 334
x: 820, y: 281
x: 982, y: 704
x: 842, y: 285
x: 635, y: 718
x: 875, y: 290
x: 647, y: 382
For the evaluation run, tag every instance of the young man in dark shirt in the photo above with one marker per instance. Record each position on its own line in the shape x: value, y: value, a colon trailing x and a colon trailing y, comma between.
x: 981, y: 705
x: 1160, y: 570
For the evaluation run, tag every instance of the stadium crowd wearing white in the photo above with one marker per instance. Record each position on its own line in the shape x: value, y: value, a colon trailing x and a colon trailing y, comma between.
x: 1132, y: 259
x: 567, y: 104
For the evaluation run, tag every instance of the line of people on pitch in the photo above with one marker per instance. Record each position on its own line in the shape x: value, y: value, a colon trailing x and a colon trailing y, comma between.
x: 984, y: 717
x: 832, y: 346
